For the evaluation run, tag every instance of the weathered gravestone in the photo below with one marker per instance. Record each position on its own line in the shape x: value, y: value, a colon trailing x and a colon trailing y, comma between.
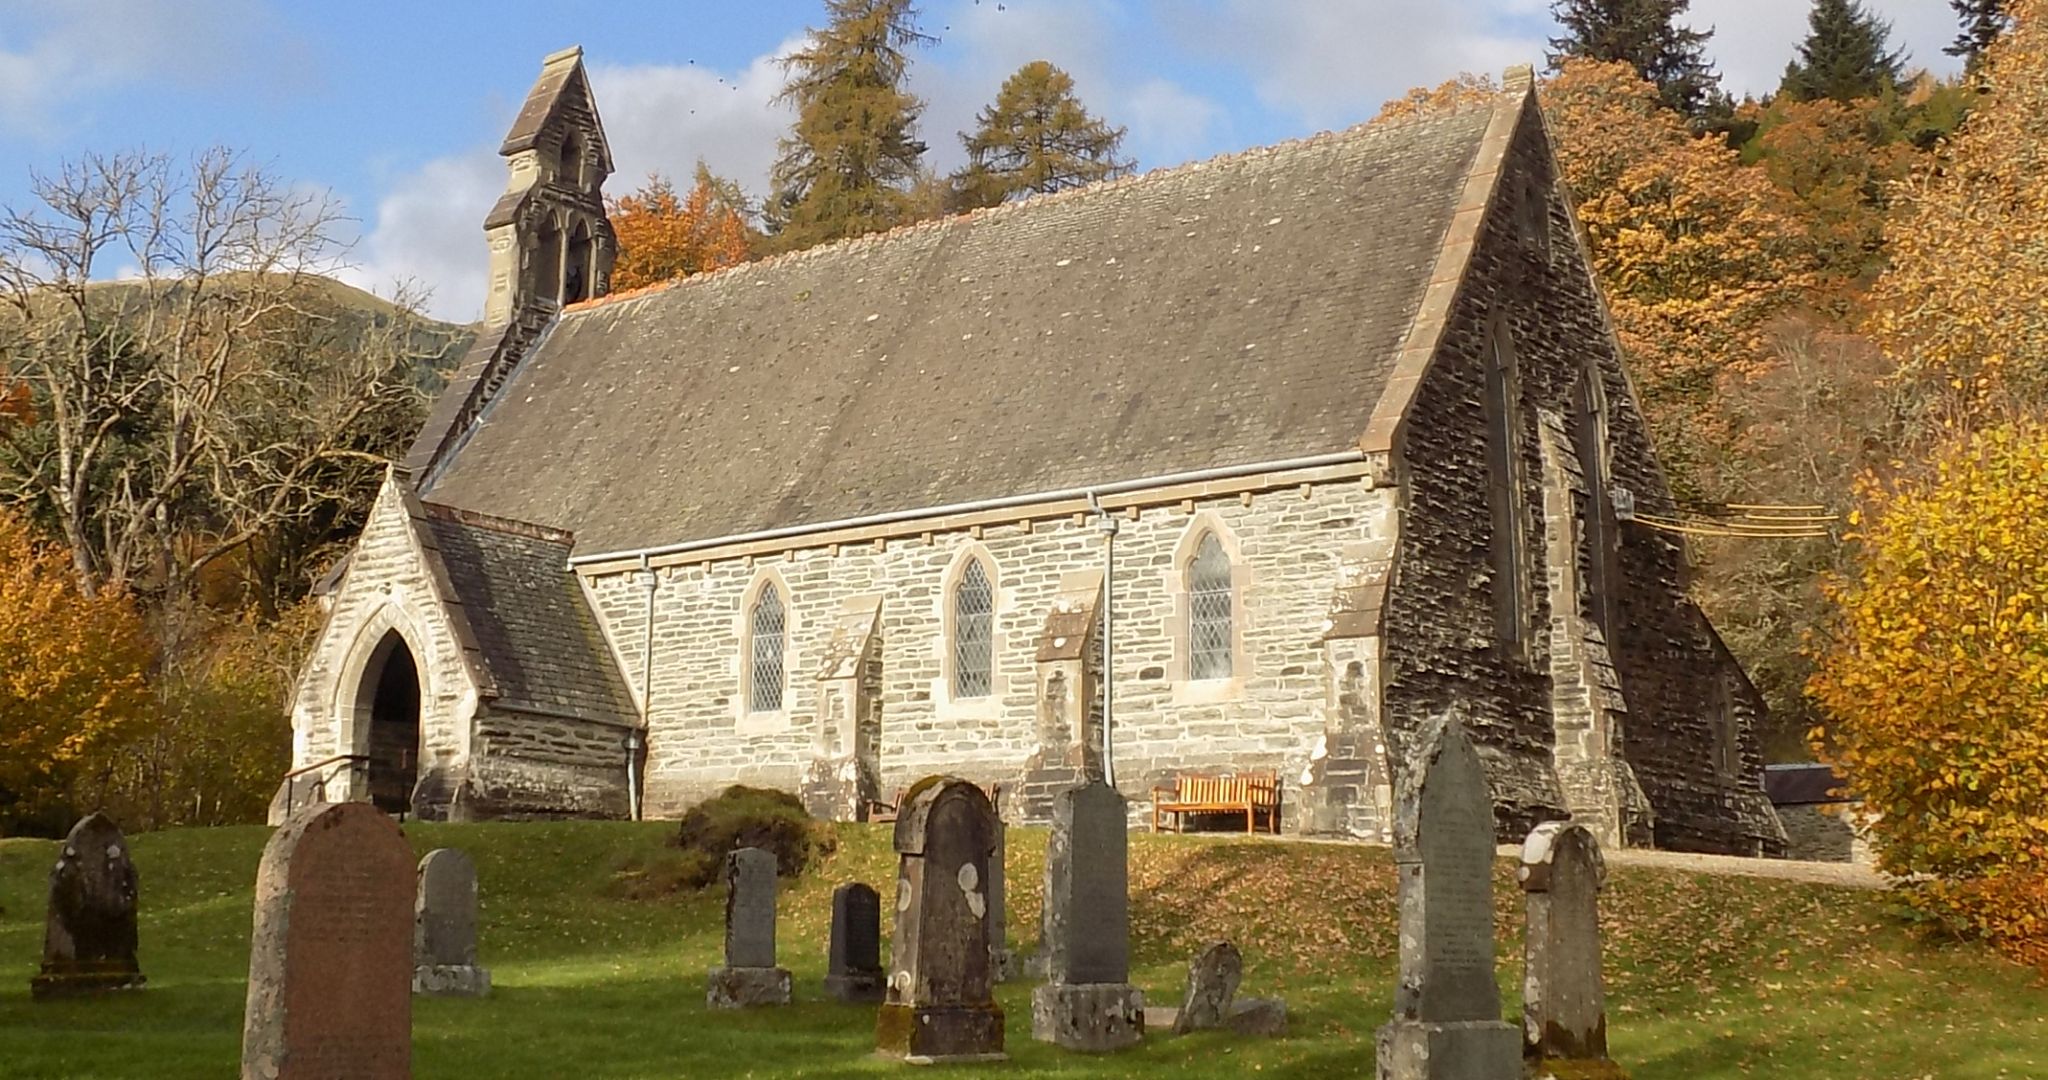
x: 1213, y: 978
x: 444, y: 928
x: 853, y: 966
x: 940, y: 1006
x: 1089, y: 1002
x: 1000, y: 960
x: 89, y: 934
x: 749, y: 976
x: 1446, y: 1023
x: 330, y: 959
x: 1564, y: 1005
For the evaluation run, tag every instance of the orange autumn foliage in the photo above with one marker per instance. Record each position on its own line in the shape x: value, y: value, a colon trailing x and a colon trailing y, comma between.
x: 1934, y: 684
x: 663, y: 237
x: 72, y: 670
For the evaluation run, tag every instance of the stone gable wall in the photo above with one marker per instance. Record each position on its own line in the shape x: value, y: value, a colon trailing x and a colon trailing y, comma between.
x: 388, y: 586
x: 1441, y: 644
x: 1270, y: 716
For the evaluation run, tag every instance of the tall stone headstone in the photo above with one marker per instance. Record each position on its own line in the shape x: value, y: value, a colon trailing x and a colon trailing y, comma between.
x: 1446, y: 1023
x: 749, y: 975
x: 330, y: 958
x: 1000, y: 960
x: 1088, y: 1002
x: 940, y: 1005
x: 89, y: 935
x: 1564, y: 1004
x: 444, y: 928
x: 853, y: 965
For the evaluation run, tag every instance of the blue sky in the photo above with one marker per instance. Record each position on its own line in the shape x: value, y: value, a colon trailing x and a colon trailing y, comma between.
x: 398, y: 107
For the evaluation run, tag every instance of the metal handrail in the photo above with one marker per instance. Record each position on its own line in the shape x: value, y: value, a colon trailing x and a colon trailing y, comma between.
x: 290, y: 779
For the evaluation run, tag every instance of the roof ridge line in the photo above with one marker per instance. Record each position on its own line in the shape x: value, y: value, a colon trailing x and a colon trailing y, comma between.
x: 1099, y: 187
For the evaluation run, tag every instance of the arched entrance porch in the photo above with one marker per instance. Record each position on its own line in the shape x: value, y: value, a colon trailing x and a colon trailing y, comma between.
x: 388, y: 706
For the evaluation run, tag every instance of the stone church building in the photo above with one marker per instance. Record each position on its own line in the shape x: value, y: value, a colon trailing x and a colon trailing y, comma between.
x: 835, y: 520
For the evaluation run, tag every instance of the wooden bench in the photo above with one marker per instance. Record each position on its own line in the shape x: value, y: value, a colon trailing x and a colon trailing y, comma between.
x: 1251, y: 794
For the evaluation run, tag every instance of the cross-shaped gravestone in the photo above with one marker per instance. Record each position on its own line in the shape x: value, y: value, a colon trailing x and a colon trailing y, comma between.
x: 1089, y: 1002
x: 749, y: 976
x: 940, y: 1005
x: 89, y: 935
x: 1446, y: 1023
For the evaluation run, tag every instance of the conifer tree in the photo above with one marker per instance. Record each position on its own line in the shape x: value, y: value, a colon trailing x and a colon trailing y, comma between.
x: 1983, y: 21
x: 1845, y: 55
x: 1646, y: 35
x: 1037, y: 137
x: 847, y: 166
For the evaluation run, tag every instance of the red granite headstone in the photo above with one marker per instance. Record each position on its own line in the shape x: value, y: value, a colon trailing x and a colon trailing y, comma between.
x: 330, y: 962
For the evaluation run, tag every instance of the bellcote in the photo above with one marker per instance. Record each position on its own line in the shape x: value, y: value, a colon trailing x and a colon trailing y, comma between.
x: 550, y: 241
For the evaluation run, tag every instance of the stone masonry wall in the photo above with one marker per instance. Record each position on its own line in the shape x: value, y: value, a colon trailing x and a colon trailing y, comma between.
x: 1287, y: 547
x: 1528, y: 277
x: 387, y: 587
x: 533, y: 765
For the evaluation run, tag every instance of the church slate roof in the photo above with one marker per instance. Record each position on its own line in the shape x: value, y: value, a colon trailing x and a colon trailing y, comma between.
x: 534, y: 633
x: 1231, y: 312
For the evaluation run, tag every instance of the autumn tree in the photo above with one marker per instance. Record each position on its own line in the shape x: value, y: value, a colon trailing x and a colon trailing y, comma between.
x: 215, y: 398
x: 1648, y: 36
x: 72, y: 677
x: 1934, y: 681
x: 662, y: 237
x: 1959, y: 308
x: 1037, y: 137
x: 1983, y: 21
x: 1846, y: 55
x: 1834, y: 167
x: 1691, y: 248
x: 846, y: 167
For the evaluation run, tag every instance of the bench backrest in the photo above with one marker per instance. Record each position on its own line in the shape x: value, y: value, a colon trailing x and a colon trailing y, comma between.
x: 1260, y: 787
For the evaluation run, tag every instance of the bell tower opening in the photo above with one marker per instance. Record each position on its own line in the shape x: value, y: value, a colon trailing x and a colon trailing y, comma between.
x: 391, y: 685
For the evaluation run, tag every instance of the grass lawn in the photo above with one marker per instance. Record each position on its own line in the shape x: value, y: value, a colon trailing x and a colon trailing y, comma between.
x: 1708, y: 976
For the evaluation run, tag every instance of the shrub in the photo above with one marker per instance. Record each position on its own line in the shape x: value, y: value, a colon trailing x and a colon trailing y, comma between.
x: 1935, y: 685
x: 742, y: 817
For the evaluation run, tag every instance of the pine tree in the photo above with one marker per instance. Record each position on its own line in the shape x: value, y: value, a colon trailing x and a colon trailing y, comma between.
x: 1844, y: 56
x: 1983, y: 21
x: 1646, y: 35
x: 1037, y: 137
x: 846, y: 168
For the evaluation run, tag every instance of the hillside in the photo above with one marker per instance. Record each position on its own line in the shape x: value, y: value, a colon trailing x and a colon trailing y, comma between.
x: 1711, y: 976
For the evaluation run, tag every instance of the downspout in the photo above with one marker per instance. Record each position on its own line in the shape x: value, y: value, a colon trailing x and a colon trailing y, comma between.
x: 1106, y: 523
x: 635, y: 739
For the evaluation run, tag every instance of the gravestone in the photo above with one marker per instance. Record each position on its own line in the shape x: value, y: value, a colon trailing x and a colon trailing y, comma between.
x: 853, y: 967
x: 330, y: 958
x: 1000, y: 960
x: 749, y: 976
x: 1564, y: 1005
x: 940, y: 1005
x: 1213, y: 978
x: 1446, y: 1023
x: 444, y: 928
x: 89, y: 934
x: 1088, y: 1003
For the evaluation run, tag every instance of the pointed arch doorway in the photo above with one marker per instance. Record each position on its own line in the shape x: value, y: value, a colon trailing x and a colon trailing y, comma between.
x: 388, y: 705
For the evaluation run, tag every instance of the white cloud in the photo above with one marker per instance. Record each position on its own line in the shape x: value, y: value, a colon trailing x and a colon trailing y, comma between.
x: 428, y: 231
x: 1754, y: 39
x: 55, y: 53
x: 1332, y: 63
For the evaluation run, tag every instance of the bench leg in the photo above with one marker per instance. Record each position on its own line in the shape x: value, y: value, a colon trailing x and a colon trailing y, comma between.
x: 1250, y: 815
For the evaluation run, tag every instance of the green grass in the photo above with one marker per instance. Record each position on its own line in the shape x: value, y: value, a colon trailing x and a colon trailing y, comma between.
x: 1709, y: 976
